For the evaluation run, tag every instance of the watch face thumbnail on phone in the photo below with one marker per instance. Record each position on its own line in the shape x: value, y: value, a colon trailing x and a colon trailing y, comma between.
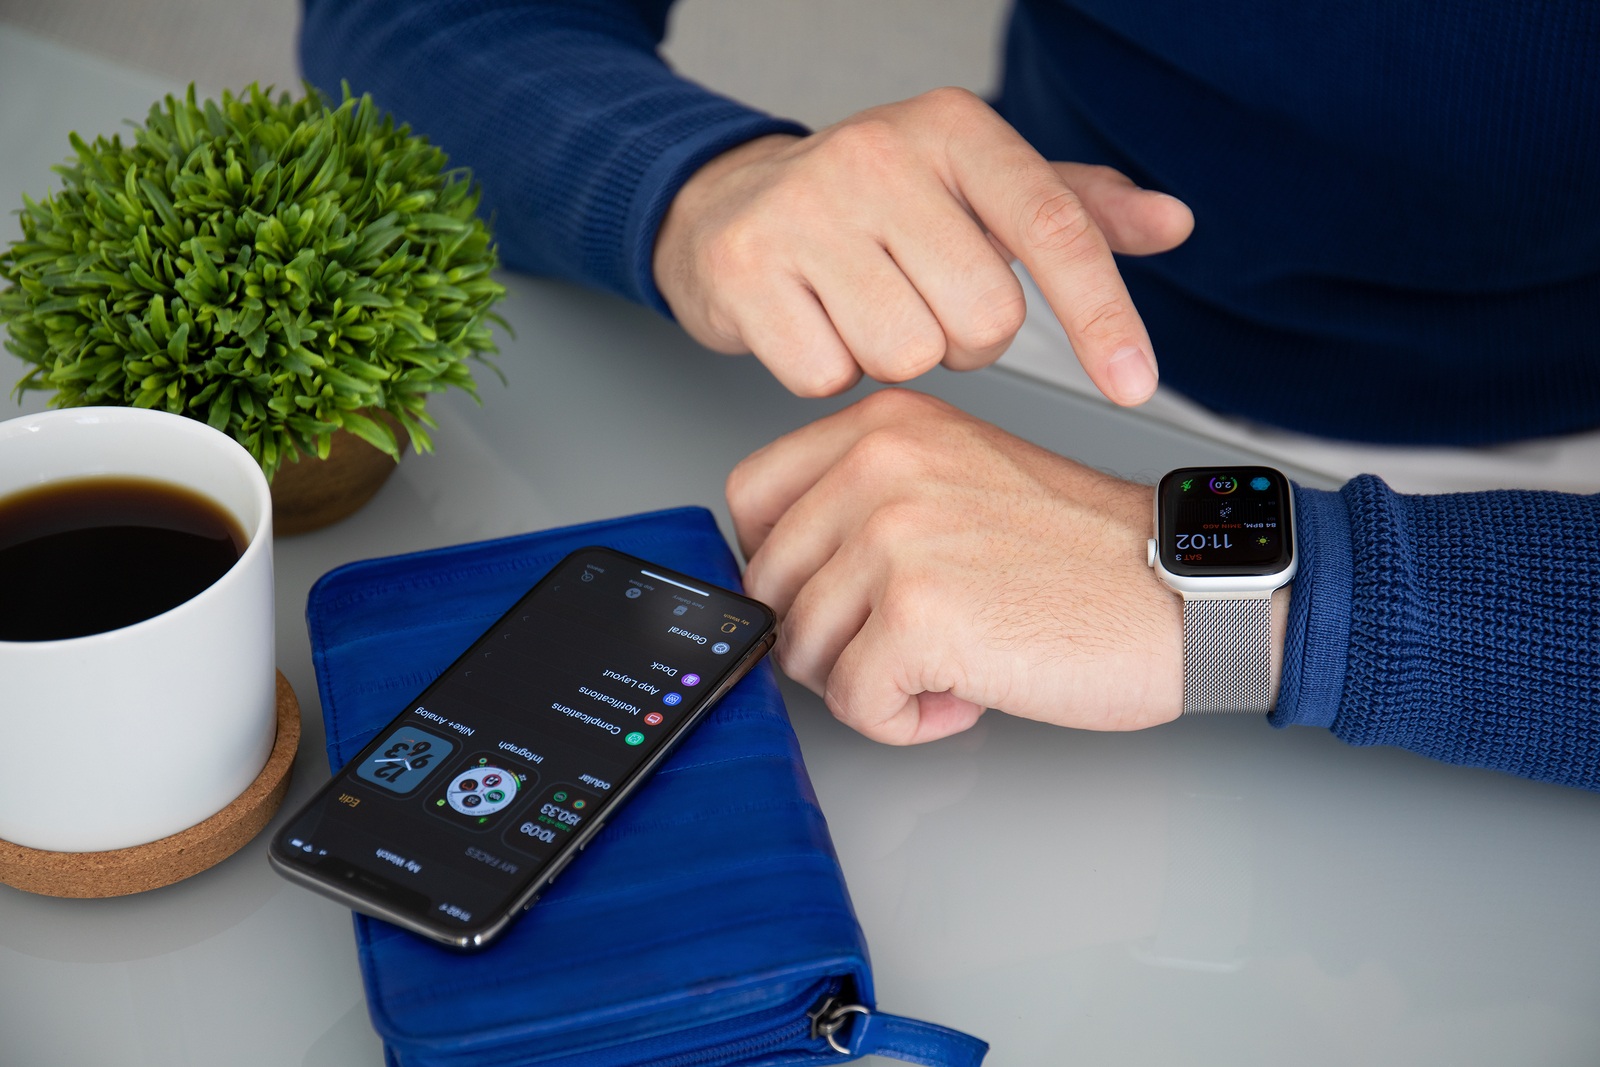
x: 490, y: 781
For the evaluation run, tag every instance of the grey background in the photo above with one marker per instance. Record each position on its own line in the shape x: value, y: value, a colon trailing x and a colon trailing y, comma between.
x: 815, y: 61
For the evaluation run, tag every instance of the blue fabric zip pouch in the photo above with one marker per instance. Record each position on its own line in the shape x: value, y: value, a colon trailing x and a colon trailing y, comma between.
x: 707, y: 924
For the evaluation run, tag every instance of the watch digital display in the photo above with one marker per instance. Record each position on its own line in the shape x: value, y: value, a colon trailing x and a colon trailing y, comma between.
x: 1224, y: 521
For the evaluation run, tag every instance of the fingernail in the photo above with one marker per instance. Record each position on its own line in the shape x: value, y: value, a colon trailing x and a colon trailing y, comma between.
x: 1132, y: 372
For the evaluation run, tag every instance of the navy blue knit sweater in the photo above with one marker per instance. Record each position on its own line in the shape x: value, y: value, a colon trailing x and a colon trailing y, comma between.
x: 1397, y: 239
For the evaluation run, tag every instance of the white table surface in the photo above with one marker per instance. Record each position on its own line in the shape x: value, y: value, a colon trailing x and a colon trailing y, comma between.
x: 1211, y: 892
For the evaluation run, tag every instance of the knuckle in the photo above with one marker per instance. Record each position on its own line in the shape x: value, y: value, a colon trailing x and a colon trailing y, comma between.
x: 890, y: 406
x: 738, y: 488
x: 1056, y: 223
x: 913, y: 356
x: 762, y: 578
x: 816, y: 382
x: 846, y: 708
x: 784, y: 650
x: 722, y: 321
x: 951, y: 99
x: 908, y: 607
x: 1100, y: 317
x: 842, y: 707
x: 891, y: 525
x: 996, y: 317
x: 955, y: 113
x: 754, y: 576
x: 885, y: 451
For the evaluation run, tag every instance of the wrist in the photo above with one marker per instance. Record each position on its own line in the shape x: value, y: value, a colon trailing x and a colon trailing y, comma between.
x: 1225, y: 543
x: 708, y: 189
x: 1152, y: 615
x: 1280, y: 628
x: 723, y: 164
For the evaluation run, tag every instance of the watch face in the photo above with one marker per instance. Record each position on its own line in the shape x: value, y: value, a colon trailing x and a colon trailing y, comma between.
x: 405, y: 758
x: 1222, y: 521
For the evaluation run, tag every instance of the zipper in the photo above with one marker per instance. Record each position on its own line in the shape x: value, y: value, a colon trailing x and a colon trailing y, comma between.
x: 782, y: 1036
x: 791, y: 1032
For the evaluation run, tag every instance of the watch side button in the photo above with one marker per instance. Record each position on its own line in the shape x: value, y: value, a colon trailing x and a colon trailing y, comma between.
x: 1150, y: 552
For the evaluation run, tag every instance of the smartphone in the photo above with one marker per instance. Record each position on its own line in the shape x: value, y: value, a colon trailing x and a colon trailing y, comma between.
x: 482, y: 790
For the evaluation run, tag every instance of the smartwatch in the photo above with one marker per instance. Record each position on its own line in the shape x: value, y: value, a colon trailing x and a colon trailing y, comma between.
x: 1225, y: 543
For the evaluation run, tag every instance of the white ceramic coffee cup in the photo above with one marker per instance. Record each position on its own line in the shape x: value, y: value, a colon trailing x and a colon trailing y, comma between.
x: 124, y: 737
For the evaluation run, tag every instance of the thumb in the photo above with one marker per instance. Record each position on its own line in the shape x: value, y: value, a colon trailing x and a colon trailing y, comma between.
x: 1135, y: 221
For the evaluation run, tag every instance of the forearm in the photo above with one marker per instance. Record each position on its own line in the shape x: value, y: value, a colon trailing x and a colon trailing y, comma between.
x: 1464, y: 627
x: 576, y: 129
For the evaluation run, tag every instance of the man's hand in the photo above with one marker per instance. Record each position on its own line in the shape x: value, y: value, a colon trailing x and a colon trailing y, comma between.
x: 928, y: 565
x: 882, y: 245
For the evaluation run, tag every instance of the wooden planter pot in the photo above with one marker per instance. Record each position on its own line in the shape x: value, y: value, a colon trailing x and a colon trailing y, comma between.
x: 314, y: 493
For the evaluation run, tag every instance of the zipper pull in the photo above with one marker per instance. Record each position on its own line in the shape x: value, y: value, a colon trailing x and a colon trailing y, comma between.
x: 829, y: 1017
x: 882, y: 1034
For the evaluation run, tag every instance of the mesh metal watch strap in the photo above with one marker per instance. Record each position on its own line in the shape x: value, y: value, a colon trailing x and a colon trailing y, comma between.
x: 1227, y: 655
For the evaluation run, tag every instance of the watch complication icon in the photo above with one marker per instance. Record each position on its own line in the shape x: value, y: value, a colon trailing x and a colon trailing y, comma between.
x: 482, y: 790
x: 404, y: 759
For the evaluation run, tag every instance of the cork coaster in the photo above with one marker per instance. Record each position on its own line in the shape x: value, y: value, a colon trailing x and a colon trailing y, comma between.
x: 122, y: 871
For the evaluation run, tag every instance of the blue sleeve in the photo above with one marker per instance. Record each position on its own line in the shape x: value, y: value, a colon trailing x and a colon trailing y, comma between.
x: 1465, y: 627
x: 571, y: 122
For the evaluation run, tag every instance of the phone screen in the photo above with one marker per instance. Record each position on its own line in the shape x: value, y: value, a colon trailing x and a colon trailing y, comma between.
x: 491, y: 780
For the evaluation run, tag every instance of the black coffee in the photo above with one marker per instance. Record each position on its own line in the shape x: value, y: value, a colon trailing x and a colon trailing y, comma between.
x: 95, y: 554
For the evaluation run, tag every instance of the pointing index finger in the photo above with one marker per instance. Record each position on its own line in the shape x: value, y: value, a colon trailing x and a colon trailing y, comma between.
x: 1021, y: 199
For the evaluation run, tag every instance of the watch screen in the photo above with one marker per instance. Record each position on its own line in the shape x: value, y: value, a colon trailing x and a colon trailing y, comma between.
x: 1224, y: 521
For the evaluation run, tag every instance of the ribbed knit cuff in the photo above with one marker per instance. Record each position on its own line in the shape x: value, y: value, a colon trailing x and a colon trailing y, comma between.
x: 577, y: 132
x: 1316, y: 646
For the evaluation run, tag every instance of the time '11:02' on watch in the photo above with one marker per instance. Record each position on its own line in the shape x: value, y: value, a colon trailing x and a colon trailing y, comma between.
x: 1225, y: 542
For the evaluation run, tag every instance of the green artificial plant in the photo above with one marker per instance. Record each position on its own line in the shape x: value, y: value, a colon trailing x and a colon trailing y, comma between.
x: 272, y: 267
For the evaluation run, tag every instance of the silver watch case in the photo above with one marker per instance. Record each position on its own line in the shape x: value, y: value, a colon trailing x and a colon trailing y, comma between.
x: 1226, y: 586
